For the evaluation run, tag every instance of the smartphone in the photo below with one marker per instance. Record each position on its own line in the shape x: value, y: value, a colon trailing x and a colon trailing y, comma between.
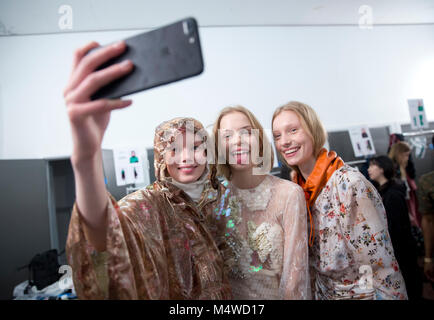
x: 164, y: 55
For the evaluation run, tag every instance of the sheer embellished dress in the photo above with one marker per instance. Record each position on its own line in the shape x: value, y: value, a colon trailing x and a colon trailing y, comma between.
x: 262, y: 233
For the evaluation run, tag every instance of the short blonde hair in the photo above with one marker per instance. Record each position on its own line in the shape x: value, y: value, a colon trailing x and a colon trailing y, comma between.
x: 265, y: 147
x: 309, y: 121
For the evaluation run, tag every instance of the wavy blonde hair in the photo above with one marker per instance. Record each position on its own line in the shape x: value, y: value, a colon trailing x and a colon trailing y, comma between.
x: 265, y: 147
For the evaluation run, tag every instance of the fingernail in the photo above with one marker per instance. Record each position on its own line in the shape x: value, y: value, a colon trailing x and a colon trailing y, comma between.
x: 126, y: 64
x: 118, y: 45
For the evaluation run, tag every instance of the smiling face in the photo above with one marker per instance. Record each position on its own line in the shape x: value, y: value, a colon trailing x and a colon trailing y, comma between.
x: 186, y: 158
x: 236, y: 138
x: 292, y: 141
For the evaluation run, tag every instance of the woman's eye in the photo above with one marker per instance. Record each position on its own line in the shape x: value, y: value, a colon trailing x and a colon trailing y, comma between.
x: 276, y: 137
x: 245, y: 132
x: 294, y: 130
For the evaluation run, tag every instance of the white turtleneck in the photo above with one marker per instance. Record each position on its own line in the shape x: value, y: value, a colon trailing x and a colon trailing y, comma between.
x: 193, y: 189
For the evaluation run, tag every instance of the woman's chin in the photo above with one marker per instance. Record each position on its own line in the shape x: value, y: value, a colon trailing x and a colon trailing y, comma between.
x: 291, y: 161
x: 241, y: 166
x: 186, y: 179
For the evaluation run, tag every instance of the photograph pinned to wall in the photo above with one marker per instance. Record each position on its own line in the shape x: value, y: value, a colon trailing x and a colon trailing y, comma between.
x: 417, y: 114
x: 130, y: 165
x: 361, y: 141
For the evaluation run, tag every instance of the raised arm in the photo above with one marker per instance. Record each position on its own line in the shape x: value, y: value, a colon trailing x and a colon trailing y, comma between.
x: 89, y: 120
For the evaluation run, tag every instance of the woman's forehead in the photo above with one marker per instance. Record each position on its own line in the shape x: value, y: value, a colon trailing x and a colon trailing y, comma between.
x: 187, y: 136
x: 234, y: 121
x: 286, y: 118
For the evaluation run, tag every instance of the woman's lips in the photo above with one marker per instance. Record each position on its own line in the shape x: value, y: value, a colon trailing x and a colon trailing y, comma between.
x: 241, y: 156
x: 289, y: 153
x: 187, y: 169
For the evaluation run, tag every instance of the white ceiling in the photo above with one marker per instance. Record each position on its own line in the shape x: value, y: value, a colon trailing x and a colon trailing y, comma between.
x: 19, y: 17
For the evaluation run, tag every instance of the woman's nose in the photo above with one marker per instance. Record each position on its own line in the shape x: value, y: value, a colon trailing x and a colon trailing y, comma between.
x: 187, y: 155
x: 286, y: 140
x: 235, y: 140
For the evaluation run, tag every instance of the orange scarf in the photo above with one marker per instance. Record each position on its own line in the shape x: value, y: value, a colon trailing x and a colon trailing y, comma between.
x: 326, y: 164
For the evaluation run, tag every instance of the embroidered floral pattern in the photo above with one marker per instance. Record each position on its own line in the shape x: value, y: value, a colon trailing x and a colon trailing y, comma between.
x: 352, y: 232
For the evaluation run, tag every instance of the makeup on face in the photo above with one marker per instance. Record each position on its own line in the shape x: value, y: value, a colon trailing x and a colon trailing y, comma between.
x: 186, y: 158
x: 292, y: 141
x: 237, y: 139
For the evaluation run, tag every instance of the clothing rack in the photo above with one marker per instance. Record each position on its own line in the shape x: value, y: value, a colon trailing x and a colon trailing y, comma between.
x: 418, y: 133
x: 355, y: 162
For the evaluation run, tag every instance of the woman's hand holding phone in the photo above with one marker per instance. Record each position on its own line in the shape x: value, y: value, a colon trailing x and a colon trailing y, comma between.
x: 89, y: 119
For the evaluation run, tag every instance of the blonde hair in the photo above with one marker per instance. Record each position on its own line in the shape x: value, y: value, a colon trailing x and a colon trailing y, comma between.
x: 398, y: 148
x: 310, y: 123
x: 265, y: 147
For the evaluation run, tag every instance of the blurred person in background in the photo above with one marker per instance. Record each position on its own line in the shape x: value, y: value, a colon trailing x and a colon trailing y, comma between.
x: 426, y: 207
x: 400, y: 153
x: 393, y: 192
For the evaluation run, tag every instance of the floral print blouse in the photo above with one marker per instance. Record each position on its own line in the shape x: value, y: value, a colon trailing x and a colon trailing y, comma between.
x: 352, y: 256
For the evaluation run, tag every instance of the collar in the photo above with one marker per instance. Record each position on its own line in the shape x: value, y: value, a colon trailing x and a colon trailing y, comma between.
x: 193, y: 189
x: 326, y: 164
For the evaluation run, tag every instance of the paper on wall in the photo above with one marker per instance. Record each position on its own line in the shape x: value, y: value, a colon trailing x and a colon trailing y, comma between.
x: 129, y: 165
x: 361, y: 141
x: 417, y: 114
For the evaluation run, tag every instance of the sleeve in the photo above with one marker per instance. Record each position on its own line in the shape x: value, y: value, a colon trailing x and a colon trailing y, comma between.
x: 133, y: 265
x: 295, y: 280
x: 365, y: 227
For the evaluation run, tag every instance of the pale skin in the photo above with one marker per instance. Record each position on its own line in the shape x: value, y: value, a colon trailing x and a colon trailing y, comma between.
x: 377, y: 174
x: 185, y: 164
x: 89, y: 120
x: 236, y: 137
x: 293, y: 142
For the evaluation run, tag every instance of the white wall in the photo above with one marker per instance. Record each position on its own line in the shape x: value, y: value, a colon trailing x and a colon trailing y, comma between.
x: 24, y: 17
x: 349, y: 75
